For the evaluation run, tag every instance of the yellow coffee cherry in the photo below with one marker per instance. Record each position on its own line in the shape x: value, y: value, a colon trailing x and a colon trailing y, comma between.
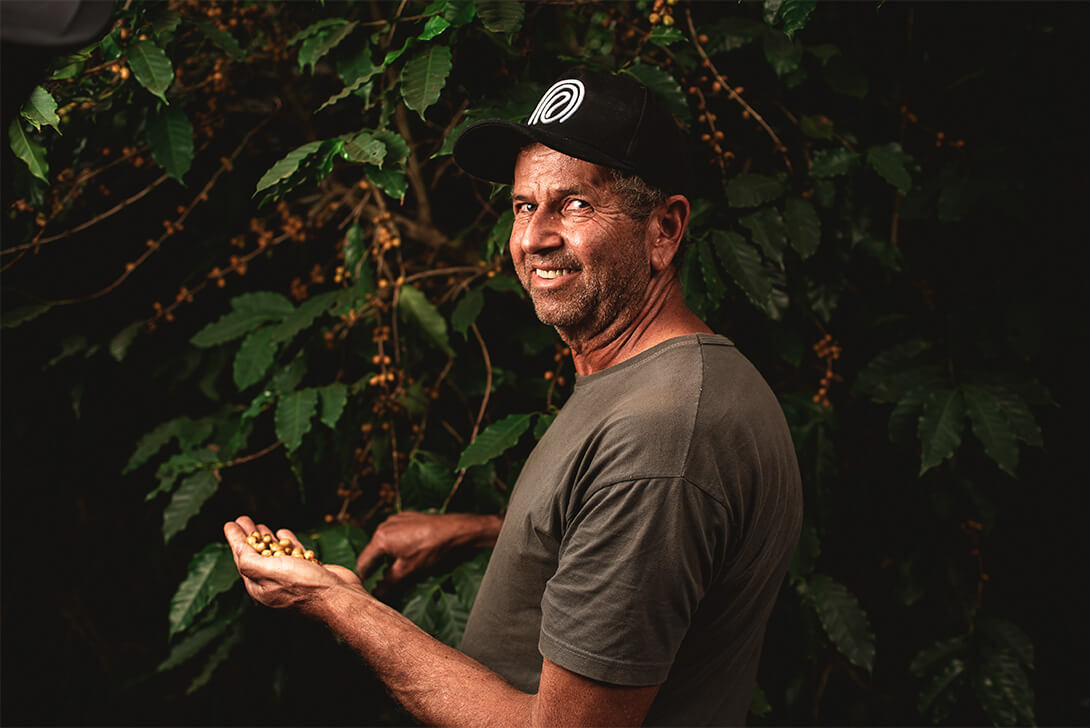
x: 267, y: 552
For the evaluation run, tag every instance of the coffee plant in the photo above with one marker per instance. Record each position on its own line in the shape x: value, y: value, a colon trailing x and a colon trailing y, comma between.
x: 251, y: 210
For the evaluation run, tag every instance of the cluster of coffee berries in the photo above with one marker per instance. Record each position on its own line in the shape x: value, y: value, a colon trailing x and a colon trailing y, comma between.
x: 662, y: 12
x: 826, y: 348
x: 266, y: 545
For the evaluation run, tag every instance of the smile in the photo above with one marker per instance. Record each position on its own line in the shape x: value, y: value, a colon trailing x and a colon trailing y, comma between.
x: 549, y: 274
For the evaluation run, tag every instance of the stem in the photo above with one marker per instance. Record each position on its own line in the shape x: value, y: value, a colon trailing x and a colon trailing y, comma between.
x: 480, y: 413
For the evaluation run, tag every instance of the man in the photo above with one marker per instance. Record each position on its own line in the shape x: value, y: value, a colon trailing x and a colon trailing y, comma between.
x: 647, y: 536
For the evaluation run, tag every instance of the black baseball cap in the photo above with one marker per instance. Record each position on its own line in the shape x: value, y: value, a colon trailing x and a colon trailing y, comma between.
x: 605, y: 118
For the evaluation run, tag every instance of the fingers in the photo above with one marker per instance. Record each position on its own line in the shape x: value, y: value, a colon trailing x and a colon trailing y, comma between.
x: 370, y: 556
x: 398, y: 571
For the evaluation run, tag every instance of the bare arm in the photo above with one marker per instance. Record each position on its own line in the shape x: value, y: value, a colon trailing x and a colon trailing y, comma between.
x: 418, y: 540
x: 437, y: 684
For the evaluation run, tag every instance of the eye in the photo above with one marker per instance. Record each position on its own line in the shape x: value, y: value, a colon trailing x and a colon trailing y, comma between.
x: 525, y: 207
x: 576, y: 204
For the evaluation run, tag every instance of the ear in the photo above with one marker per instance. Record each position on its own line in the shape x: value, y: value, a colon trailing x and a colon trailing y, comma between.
x: 669, y: 221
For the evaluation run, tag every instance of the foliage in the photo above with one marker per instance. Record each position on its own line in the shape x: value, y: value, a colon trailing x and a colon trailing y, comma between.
x: 349, y: 320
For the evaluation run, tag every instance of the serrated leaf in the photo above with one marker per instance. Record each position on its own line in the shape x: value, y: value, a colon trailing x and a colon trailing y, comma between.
x: 322, y: 42
x: 467, y: 310
x: 743, y: 264
x: 941, y: 423
x: 254, y: 358
x: 751, y: 190
x: 939, y: 694
x: 832, y: 162
x: 288, y: 378
x: 231, y: 326
x: 713, y: 284
x: 150, y: 444
x: 187, y: 501
x: 795, y: 14
x: 166, y: 21
x: 991, y: 428
x: 217, y: 658
x: 294, y: 417
x: 275, y: 304
x: 664, y: 85
x: 467, y: 577
x: 414, y: 306
x: 426, y: 483
x: 435, y: 27
x: 843, y: 619
x: 211, y: 571
x: 897, y: 369
x: 33, y: 154
x: 1003, y: 689
x: 541, y: 426
x: 767, y: 230
x: 313, y: 29
x: 333, y: 399
x: 170, y: 135
x: 904, y: 420
x: 928, y: 659
x: 494, y: 440
x: 781, y: 52
x: 302, y: 317
x: 500, y: 235
x: 191, y: 645
x: 41, y: 108
x: 340, y: 544
x: 226, y: 42
x: 500, y: 16
x: 1006, y: 635
x: 888, y: 160
x: 287, y: 166
x: 662, y: 35
x: 803, y: 226
x: 424, y: 76
x: 365, y: 148
x: 151, y: 67
x: 394, y: 182
x: 436, y: 611
x: 459, y: 12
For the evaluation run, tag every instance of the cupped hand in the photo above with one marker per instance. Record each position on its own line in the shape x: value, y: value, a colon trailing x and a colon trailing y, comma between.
x: 285, y: 581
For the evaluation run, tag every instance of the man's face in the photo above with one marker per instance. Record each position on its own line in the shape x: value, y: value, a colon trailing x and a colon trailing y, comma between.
x: 583, y: 260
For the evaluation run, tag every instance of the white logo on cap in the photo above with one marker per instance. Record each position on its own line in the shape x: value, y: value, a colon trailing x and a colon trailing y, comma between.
x: 558, y: 103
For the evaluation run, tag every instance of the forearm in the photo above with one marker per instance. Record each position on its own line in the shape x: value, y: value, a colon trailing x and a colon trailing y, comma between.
x: 437, y: 684
x: 476, y: 530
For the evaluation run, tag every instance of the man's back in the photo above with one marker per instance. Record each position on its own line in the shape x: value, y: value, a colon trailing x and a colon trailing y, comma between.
x: 648, y: 534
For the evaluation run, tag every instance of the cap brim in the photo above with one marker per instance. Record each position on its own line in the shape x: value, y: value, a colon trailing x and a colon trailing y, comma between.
x: 488, y: 149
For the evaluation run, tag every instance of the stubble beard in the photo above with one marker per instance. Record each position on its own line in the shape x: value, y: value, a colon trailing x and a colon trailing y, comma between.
x: 595, y: 304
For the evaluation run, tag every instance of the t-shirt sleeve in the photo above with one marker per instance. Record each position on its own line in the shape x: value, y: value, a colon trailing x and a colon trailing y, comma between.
x: 633, y: 565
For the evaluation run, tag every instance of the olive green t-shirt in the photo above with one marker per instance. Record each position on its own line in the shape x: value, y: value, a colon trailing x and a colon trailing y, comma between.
x: 648, y: 535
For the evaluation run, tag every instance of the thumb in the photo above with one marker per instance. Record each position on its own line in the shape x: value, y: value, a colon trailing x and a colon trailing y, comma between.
x: 346, y: 575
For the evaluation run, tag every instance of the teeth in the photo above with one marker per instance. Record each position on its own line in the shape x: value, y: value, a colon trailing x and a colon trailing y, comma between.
x: 552, y: 273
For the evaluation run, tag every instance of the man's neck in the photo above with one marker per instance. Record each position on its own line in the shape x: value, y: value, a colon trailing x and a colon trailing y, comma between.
x: 662, y: 315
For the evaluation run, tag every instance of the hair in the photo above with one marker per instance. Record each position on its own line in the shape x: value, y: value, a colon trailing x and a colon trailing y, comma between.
x: 638, y: 199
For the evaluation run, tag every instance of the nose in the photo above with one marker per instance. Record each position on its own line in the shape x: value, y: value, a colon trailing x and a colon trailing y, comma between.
x: 539, y: 233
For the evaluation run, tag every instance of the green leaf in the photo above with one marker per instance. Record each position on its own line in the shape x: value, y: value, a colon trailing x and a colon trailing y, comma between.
x: 845, y: 77
x: 191, y: 645
x: 803, y: 226
x: 1003, y: 689
x: 795, y: 14
x: 767, y: 229
x: 426, y: 482
x: 501, y: 16
x: 500, y: 235
x: 288, y: 378
x: 758, y: 702
x: 467, y: 310
x: 166, y: 22
x: 713, y: 284
x: 230, y: 326
x: 302, y: 317
x: 991, y: 427
x: 897, y: 369
x: 751, y: 190
x: 150, y: 444
x: 541, y: 426
x: 22, y: 314
x: 904, y: 420
x: 187, y: 501
x: 294, y: 415
x: 806, y: 554
x: 664, y: 85
x: 436, y: 26
x: 1007, y: 636
x: 275, y: 304
x: 170, y: 135
x: 287, y: 166
x: 254, y: 357
x: 33, y: 154
x: 939, y: 694
x: 340, y: 544
x: 940, y: 427
x: 314, y: 28
x: 151, y: 67
x: 226, y: 42
x: 393, y: 182
x: 928, y: 659
x: 437, y: 612
x: 122, y: 340
x: 217, y: 658
x: 41, y: 108
x: 888, y: 160
x: 459, y: 12
x: 424, y: 76
x: 333, y: 399
x: 844, y: 620
x: 494, y: 440
x: 365, y: 148
x: 322, y: 42
x: 832, y: 162
x: 211, y: 571
x: 662, y: 35
x: 782, y: 53
x: 817, y: 126
x: 743, y: 263
x: 414, y: 306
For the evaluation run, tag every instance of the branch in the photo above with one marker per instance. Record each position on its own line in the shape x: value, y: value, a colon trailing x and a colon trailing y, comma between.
x: 253, y: 456
x: 480, y: 413
x: 416, y: 179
